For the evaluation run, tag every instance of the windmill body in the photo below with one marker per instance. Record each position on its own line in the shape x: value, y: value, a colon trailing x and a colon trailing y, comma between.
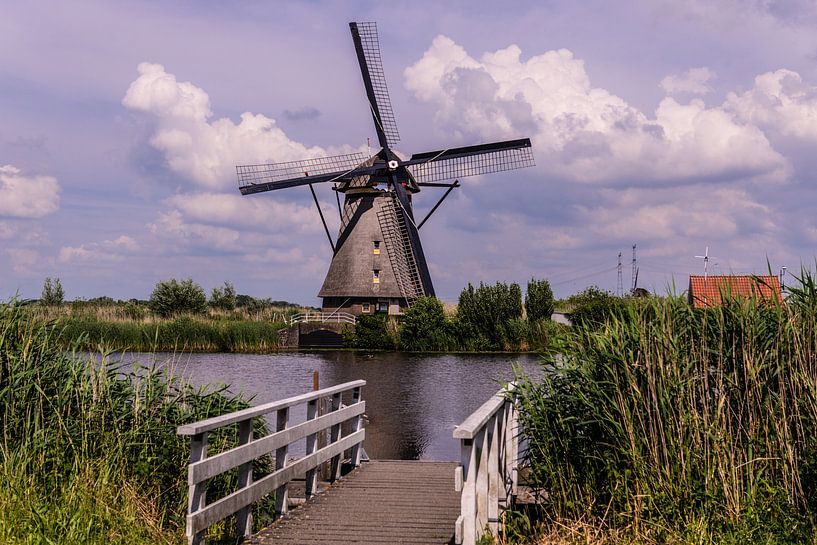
x: 378, y: 264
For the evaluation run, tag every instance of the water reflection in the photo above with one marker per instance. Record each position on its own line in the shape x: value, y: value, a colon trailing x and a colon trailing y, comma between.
x: 413, y: 402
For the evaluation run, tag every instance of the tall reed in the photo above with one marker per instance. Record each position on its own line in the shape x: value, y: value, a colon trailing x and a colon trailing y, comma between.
x: 682, y: 423
x: 88, y: 450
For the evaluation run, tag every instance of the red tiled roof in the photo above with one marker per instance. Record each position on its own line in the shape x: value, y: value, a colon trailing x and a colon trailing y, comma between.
x: 711, y: 290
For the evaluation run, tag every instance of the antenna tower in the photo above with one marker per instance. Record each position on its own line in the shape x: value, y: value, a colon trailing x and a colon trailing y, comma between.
x: 634, y: 274
x: 620, y: 285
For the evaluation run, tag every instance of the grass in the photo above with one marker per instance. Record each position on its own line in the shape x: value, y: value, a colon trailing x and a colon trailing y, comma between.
x: 88, y: 451
x: 680, y: 425
x: 185, y: 333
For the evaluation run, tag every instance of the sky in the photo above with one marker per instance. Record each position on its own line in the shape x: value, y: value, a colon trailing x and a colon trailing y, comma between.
x: 675, y: 126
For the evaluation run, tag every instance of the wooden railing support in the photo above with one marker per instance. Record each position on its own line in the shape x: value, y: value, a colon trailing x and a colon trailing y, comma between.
x: 202, y: 514
x: 487, y: 476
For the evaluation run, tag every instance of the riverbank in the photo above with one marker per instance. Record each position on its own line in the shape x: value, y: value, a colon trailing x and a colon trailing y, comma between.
x: 88, y: 450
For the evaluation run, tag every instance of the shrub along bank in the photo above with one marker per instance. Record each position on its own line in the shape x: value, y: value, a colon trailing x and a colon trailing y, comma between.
x: 88, y: 451
x: 488, y: 318
x: 668, y: 424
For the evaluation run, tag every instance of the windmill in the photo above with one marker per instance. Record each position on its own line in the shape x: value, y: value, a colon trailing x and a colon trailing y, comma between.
x: 705, y: 257
x: 378, y: 262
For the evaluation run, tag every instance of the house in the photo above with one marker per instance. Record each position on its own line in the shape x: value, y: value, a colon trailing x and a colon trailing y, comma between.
x: 708, y: 291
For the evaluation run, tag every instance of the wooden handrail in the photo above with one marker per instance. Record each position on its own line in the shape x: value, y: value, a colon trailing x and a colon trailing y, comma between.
x: 487, y: 476
x: 202, y: 468
x: 260, y: 410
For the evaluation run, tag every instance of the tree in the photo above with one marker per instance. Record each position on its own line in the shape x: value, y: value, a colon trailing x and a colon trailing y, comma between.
x: 223, y: 298
x: 53, y: 293
x: 538, y: 300
x: 171, y: 297
x: 425, y: 327
x: 485, y: 313
x: 593, y: 307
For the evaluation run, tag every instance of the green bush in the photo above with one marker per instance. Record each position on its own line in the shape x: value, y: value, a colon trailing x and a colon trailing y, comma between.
x: 171, y: 297
x: 538, y: 300
x: 372, y: 332
x: 223, y: 298
x: 593, y: 307
x: 425, y: 327
x: 52, y: 294
x: 484, y: 315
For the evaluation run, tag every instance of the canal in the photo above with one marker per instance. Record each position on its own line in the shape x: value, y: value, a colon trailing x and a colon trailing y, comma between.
x: 413, y: 401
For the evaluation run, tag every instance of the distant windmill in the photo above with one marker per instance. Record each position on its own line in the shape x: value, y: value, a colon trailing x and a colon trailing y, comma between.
x: 378, y: 215
x: 706, y: 258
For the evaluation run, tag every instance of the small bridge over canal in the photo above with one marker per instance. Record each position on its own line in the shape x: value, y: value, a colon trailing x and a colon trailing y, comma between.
x: 360, y: 501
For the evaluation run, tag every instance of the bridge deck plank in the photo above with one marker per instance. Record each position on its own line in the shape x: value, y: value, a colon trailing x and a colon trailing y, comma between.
x: 380, y: 502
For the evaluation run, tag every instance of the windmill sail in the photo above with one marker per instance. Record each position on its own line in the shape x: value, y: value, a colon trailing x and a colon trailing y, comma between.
x: 258, y: 178
x: 456, y: 163
x: 367, y: 46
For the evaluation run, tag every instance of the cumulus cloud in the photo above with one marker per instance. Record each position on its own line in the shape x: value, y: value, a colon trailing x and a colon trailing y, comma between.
x: 172, y: 225
x: 694, y: 81
x: 107, y: 250
x: 197, y: 147
x: 582, y: 132
x: 237, y: 211
x: 779, y: 101
x: 27, y: 196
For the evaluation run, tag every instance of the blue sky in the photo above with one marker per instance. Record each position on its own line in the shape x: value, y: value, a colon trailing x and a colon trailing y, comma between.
x: 670, y: 125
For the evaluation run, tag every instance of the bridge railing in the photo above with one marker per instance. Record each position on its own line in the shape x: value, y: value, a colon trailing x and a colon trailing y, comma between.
x: 202, y: 514
x: 323, y: 317
x: 487, y: 476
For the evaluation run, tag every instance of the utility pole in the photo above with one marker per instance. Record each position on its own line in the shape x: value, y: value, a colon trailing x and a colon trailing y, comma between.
x: 634, y: 274
x: 620, y: 285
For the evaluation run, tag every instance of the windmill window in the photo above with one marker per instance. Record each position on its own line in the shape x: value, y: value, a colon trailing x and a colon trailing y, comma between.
x: 376, y: 276
x: 376, y: 247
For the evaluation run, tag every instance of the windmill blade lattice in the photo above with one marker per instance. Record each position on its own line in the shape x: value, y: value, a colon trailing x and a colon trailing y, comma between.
x: 470, y: 161
x: 367, y: 45
x: 257, y: 178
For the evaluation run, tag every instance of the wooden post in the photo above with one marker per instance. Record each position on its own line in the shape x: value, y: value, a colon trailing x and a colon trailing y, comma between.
x: 514, y: 450
x: 334, y: 437
x: 244, y: 516
x: 197, y: 495
x: 468, y: 500
x: 493, y: 475
x: 282, y: 419
x: 481, y: 443
x: 311, y: 444
x: 357, y: 423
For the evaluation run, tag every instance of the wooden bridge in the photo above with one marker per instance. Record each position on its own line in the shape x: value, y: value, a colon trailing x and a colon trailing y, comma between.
x: 415, y: 502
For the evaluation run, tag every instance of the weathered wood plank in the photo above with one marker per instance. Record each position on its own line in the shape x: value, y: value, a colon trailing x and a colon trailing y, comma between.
x: 228, y: 505
x: 215, y: 465
x: 381, y: 502
x: 260, y: 410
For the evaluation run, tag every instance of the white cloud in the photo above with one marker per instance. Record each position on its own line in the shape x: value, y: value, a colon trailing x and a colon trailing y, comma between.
x: 202, y: 150
x: 27, y: 196
x: 694, y: 81
x: 254, y: 213
x: 107, y: 250
x: 172, y: 225
x: 582, y: 132
x: 23, y: 260
x: 779, y: 101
